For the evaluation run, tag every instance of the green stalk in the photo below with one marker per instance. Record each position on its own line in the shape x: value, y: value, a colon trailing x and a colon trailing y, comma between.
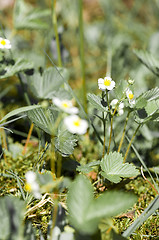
x: 104, y: 128
x: 128, y: 148
x: 82, y: 54
x: 123, y: 135
x: 110, y: 137
x: 54, y: 22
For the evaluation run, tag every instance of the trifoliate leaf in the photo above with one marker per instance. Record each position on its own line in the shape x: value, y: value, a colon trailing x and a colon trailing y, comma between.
x: 19, y: 111
x: 65, y: 142
x: 79, y: 197
x: 19, y: 66
x: 44, y: 119
x: 27, y: 17
x: 114, y: 169
x: 96, y: 102
x: 45, y: 86
x: 148, y: 60
x: 152, y: 106
x: 85, y: 212
x: 149, y: 95
x: 88, y: 167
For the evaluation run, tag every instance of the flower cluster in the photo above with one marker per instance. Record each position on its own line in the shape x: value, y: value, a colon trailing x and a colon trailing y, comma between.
x: 31, y: 184
x: 73, y: 122
x: 120, y: 106
x: 5, y: 43
x: 108, y: 84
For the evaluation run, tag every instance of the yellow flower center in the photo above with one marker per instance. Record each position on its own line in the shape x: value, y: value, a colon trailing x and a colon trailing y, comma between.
x: 28, y: 187
x: 107, y: 82
x: 77, y: 122
x: 131, y: 96
x: 65, y: 105
x: 3, y: 42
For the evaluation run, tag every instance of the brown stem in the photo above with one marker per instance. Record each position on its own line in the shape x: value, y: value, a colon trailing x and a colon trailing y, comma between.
x: 28, y: 138
x: 148, y: 181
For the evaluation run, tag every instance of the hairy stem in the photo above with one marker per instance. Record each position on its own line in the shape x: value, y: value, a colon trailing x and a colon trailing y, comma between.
x: 123, y: 135
x: 128, y: 148
x: 28, y: 138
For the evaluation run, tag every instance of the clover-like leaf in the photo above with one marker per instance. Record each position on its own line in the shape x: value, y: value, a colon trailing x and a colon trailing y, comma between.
x: 114, y: 169
x: 27, y: 17
x: 46, y: 85
x: 19, y: 66
x: 65, y: 142
x: 85, y: 212
x: 96, y: 102
x: 148, y: 60
x: 44, y: 119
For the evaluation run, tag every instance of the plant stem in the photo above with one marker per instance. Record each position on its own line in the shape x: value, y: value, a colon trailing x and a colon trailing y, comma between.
x: 82, y: 54
x: 104, y: 126
x: 127, y: 151
x: 59, y: 165
x: 54, y: 217
x: 24, y: 91
x: 53, y: 158
x: 148, y: 181
x: 54, y: 22
x: 28, y: 138
x: 123, y: 135
x: 110, y: 137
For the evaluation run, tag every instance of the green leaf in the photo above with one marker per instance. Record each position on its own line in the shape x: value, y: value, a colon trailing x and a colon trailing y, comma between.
x: 44, y: 119
x: 48, y: 84
x: 11, y: 211
x: 146, y: 97
x: 4, y: 220
x: 114, y: 169
x: 27, y: 17
x: 152, y: 94
x: 155, y: 169
x: 152, y: 106
x: 88, y: 167
x: 148, y: 60
x: 65, y: 142
x: 96, y: 102
x: 19, y: 111
x: 110, y: 204
x: 20, y: 65
x: 79, y: 197
x: 140, y: 103
x: 85, y: 212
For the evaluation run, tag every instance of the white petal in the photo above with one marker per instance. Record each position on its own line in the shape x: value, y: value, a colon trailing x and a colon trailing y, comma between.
x: 112, y: 85
x: 100, y: 80
x: 30, y: 176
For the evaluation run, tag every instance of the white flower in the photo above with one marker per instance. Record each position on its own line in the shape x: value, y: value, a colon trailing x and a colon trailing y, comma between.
x: 75, y: 124
x: 65, y: 105
x: 5, y: 43
x: 120, y: 107
x: 106, y: 83
x: 31, y: 184
x: 130, y: 96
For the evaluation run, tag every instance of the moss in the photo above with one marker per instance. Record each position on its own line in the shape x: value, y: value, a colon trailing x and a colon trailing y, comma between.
x: 145, y: 195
